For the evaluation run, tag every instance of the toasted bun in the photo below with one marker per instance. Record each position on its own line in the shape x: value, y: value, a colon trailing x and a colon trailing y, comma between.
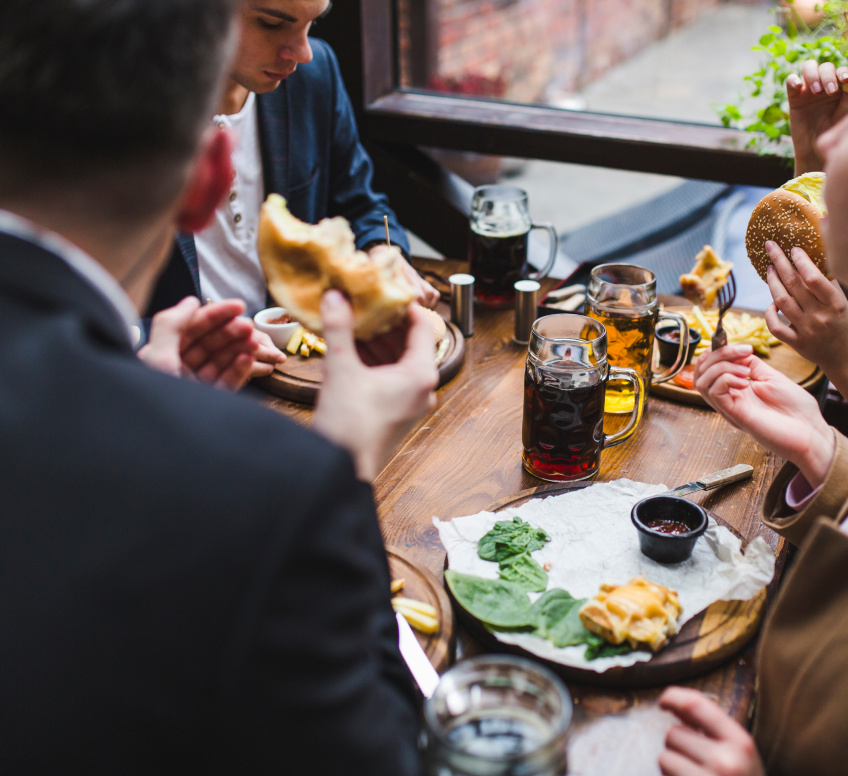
x: 790, y: 220
x: 302, y: 261
x: 438, y: 323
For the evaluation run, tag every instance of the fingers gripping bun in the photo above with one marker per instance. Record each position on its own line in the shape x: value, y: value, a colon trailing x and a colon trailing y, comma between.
x: 438, y: 323
x: 302, y: 261
x: 790, y: 219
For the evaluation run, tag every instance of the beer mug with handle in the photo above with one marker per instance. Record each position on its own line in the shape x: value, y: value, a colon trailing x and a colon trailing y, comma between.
x: 565, y: 380
x: 623, y: 297
x: 500, y: 228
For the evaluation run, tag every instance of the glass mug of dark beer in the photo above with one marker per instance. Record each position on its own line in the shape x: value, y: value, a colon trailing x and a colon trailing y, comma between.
x: 565, y: 380
x: 500, y: 229
x: 623, y: 297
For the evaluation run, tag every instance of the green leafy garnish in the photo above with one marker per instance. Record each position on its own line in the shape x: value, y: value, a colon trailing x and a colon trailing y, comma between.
x: 598, y: 646
x: 492, y: 601
x: 524, y: 571
x: 510, y: 537
x: 510, y: 543
x: 558, y: 619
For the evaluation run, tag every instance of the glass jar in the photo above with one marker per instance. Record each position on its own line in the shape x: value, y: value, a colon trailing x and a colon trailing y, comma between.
x: 497, y: 715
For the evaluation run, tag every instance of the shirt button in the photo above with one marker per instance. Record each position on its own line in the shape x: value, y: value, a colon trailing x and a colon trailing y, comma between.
x: 233, y: 196
x: 237, y: 217
x: 221, y: 125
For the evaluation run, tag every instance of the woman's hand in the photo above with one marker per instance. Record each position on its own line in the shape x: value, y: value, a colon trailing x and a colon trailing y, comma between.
x: 775, y: 411
x: 816, y: 102
x: 706, y: 742
x: 816, y: 310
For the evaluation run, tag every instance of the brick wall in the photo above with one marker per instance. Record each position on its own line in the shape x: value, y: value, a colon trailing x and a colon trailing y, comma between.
x: 536, y: 47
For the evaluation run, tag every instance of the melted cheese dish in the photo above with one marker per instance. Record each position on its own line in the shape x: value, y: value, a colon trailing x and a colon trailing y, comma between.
x: 709, y: 274
x: 640, y: 612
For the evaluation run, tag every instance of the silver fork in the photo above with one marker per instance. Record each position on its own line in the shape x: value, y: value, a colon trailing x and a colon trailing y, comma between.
x: 726, y: 296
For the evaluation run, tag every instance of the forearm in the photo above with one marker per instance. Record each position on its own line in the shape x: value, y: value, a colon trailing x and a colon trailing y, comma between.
x: 807, y: 161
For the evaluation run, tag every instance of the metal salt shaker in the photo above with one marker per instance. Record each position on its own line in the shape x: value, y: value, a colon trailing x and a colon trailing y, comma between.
x: 526, y: 304
x: 462, y: 302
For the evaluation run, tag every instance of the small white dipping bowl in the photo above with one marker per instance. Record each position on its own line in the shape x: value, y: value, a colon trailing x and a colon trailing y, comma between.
x: 280, y: 333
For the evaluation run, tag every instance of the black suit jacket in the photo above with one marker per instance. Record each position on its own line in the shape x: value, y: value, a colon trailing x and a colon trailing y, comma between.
x: 189, y: 583
x: 311, y: 154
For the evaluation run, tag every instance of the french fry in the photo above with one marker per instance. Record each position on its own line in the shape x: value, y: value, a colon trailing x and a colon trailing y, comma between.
x: 415, y: 606
x: 296, y: 338
x: 740, y: 328
x: 397, y: 585
x: 423, y: 621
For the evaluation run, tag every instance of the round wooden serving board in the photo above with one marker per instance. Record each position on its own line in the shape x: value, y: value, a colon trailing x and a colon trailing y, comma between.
x: 299, y: 379
x: 705, y: 641
x: 782, y: 357
x: 422, y: 585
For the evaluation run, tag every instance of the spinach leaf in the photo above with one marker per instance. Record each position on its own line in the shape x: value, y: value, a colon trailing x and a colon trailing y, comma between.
x: 492, y: 601
x: 524, y: 571
x: 598, y: 646
x: 559, y: 622
x: 510, y: 537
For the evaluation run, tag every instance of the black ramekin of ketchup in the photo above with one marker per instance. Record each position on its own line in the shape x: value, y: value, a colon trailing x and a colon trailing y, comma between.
x: 668, y: 527
x: 668, y: 342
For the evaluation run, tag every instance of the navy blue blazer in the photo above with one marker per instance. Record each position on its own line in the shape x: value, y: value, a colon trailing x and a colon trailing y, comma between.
x: 311, y: 154
x: 191, y: 583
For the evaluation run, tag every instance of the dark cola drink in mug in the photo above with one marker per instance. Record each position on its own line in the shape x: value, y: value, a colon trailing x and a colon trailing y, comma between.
x: 499, y: 243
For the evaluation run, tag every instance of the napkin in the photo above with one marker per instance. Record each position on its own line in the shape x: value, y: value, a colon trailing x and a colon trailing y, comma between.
x: 593, y: 542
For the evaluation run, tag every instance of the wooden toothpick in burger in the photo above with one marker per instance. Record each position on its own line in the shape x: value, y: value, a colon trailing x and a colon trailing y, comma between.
x: 386, y: 222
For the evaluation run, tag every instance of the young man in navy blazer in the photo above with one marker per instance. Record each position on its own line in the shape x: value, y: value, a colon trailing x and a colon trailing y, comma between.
x: 189, y: 583
x: 296, y: 136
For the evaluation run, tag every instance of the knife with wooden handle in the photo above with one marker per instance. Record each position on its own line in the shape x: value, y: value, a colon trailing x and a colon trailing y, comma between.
x: 715, y: 480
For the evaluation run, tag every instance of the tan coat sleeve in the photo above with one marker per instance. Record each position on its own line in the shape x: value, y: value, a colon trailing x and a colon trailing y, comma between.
x: 830, y: 502
x: 801, y: 727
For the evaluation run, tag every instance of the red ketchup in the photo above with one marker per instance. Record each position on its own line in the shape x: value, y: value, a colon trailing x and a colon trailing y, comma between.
x: 673, y: 527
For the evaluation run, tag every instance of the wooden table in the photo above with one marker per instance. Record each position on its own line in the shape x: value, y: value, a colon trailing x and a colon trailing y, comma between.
x: 467, y: 455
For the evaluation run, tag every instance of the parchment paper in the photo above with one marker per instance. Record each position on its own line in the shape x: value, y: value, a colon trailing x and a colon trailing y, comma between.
x: 593, y: 541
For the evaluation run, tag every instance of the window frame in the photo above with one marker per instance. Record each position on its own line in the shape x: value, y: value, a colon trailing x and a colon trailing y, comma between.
x: 389, y: 114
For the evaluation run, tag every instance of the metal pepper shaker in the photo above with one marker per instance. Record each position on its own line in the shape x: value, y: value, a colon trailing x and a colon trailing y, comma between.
x: 526, y: 309
x: 462, y: 302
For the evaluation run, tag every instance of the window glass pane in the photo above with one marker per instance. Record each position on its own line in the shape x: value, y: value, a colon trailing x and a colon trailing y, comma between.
x: 669, y: 59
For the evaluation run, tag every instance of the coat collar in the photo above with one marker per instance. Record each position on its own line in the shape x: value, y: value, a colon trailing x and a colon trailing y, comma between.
x: 42, y: 279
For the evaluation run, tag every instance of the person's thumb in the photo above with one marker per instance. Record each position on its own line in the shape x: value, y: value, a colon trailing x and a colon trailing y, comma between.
x: 337, y: 318
x: 167, y: 326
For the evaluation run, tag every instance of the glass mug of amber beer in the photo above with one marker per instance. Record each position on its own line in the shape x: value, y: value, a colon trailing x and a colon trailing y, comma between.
x: 623, y: 297
x: 565, y: 380
x: 500, y: 230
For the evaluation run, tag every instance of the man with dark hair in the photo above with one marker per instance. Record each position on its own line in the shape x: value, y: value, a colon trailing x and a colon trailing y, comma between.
x: 189, y: 583
x: 297, y: 137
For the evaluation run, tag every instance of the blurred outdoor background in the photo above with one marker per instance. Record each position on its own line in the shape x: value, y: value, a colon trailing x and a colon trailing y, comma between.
x: 665, y: 59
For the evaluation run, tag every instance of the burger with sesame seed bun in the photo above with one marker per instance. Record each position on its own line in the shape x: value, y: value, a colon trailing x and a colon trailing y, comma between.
x: 790, y: 216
